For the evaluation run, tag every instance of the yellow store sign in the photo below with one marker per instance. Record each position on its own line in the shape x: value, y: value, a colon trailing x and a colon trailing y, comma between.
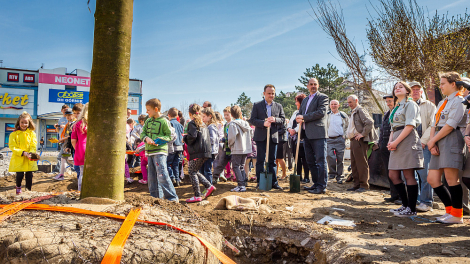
x: 7, y: 99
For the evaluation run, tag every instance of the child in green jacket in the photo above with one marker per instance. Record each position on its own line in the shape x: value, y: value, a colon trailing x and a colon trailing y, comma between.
x: 157, y: 129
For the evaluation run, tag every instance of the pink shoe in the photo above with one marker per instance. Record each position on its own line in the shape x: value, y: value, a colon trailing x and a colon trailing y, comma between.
x: 142, y: 181
x: 194, y: 199
x: 18, y: 190
x: 209, y: 191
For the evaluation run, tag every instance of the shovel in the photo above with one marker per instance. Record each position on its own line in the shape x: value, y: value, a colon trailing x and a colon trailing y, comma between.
x: 294, y: 179
x: 266, y: 178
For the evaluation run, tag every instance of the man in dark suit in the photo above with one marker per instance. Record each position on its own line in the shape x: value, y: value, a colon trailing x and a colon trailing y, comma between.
x: 267, y: 113
x: 312, y: 113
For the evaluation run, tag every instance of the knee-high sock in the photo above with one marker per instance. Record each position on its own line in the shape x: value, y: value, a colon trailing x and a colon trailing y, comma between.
x: 444, y: 195
x: 412, y: 196
x: 401, y: 189
x: 456, y: 193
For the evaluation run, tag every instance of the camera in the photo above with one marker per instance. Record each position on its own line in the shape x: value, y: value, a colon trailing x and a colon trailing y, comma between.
x: 465, y: 82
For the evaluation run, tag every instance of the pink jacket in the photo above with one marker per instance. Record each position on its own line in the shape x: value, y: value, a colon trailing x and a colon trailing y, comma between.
x: 141, y: 150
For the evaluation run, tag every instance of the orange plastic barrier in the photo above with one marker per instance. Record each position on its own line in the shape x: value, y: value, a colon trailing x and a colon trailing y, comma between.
x: 221, y: 256
x: 114, y: 252
x: 14, y: 208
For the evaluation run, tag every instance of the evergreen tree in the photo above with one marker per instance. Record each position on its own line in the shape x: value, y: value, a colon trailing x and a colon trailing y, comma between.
x: 245, y: 104
x: 329, y: 80
x: 288, y: 103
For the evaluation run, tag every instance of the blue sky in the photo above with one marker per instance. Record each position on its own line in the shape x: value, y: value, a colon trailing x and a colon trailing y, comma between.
x: 187, y: 51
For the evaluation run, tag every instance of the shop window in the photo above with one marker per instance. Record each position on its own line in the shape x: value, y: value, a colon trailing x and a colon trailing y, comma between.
x: 9, y: 127
x: 51, y: 133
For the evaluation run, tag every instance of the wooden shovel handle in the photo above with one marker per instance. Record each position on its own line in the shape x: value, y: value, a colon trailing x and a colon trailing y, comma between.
x: 267, y: 144
x: 298, y: 145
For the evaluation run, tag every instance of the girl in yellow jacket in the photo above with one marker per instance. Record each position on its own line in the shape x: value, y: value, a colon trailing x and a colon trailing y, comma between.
x: 22, y: 143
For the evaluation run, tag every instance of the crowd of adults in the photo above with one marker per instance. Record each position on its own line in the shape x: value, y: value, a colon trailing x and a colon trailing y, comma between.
x: 415, y: 139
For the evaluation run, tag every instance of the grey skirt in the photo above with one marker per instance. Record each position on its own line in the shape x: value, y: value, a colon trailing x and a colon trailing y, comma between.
x: 409, y: 153
x: 451, y: 152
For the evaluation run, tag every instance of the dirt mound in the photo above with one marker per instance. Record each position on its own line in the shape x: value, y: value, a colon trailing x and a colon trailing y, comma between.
x: 52, y: 237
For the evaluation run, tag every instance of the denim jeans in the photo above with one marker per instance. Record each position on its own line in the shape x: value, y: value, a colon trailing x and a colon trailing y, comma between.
x: 77, y: 170
x: 220, y: 162
x: 238, y: 167
x: 426, y: 189
x: 173, y: 165
x: 206, y: 168
x: 160, y: 185
x: 315, y: 154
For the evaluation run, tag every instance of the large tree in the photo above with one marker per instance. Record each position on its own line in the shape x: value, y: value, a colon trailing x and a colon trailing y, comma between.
x: 411, y: 45
x: 104, y: 160
x: 329, y: 80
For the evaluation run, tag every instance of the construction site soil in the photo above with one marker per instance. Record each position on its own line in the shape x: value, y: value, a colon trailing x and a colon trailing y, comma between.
x: 286, y: 230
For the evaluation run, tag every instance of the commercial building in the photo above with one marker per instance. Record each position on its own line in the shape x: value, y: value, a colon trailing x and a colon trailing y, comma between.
x: 42, y: 92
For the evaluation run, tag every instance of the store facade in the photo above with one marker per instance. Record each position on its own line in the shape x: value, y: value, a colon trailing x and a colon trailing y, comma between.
x: 42, y: 93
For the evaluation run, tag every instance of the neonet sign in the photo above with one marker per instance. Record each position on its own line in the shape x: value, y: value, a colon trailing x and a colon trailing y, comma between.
x: 64, y: 79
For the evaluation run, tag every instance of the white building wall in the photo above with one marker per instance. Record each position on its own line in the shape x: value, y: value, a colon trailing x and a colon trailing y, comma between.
x: 44, y: 106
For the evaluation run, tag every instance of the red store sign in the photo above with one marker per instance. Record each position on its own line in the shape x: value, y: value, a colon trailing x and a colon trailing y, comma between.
x: 13, y: 77
x: 29, y: 78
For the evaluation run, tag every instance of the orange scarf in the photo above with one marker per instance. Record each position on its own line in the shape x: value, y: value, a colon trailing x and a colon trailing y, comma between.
x: 438, y: 114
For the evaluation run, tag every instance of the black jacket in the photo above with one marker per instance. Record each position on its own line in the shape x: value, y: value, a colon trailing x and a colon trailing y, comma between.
x: 315, y: 116
x: 258, y: 115
x: 198, y: 141
x: 385, y: 131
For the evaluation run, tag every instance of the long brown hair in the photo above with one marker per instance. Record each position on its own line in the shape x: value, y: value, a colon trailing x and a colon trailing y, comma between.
x: 194, y: 110
x: 27, y: 116
x: 209, y: 112
x: 407, y: 88
x: 219, y: 118
x: 84, y: 117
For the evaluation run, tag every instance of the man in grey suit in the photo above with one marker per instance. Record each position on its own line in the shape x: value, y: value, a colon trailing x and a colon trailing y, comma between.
x: 312, y: 113
x: 267, y: 113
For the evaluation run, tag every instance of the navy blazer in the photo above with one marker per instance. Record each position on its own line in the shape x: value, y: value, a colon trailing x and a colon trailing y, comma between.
x: 315, y: 116
x: 259, y: 113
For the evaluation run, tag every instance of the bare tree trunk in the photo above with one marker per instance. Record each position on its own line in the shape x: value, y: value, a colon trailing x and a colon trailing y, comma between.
x: 104, y: 160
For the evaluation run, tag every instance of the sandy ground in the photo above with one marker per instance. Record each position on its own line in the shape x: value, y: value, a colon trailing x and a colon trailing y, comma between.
x: 378, y: 237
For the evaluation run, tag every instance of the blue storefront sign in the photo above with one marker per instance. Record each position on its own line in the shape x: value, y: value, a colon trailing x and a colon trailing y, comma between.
x: 63, y: 96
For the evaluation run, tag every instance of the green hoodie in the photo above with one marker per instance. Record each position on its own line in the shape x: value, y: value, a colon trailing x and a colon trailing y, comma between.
x: 156, y: 128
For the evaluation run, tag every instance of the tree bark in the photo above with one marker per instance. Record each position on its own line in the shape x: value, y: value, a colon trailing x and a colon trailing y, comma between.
x: 106, y: 141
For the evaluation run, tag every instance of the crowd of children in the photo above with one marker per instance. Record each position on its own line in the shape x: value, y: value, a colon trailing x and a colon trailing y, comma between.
x: 159, y: 144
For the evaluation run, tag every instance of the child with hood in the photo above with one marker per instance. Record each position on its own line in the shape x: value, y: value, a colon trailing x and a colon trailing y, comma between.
x: 239, y: 141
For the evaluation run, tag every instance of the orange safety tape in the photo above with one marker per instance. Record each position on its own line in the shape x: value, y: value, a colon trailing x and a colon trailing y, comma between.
x: 221, y: 256
x: 114, y: 252
x: 14, y: 208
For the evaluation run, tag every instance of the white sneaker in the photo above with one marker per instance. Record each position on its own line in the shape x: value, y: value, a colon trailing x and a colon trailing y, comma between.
x: 442, y: 217
x: 406, y: 213
x: 450, y: 219
x: 422, y: 207
x: 397, y: 210
x: 239, y: 189
x: 129, y: 180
